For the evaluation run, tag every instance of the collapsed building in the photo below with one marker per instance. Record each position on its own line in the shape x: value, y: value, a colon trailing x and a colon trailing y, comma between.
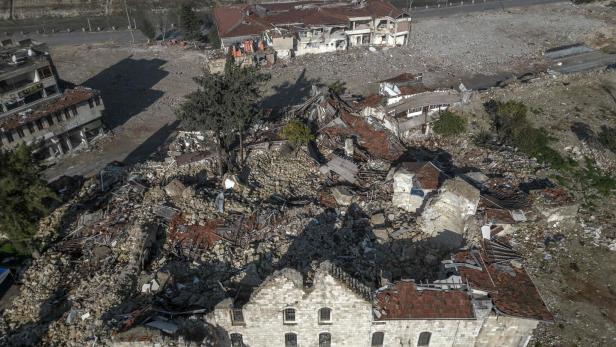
x: 35, y: 109
x: 302, y: 27
x: 404, y: 105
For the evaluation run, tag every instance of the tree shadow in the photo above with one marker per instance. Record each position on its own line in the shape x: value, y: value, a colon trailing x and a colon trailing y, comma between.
x: 152, y: 144
x: 126, y: 88
x: 287, y: 93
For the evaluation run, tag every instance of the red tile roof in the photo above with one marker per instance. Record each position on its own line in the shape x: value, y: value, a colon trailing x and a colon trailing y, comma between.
x: 379, y: 143
x: 246, y: 20
x: 511, y: 289
x: 404, y: 301
x: 427, y: 175
x: 71, y: 97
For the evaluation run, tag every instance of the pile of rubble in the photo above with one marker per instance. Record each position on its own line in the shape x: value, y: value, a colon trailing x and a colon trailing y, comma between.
x: 142, y: 253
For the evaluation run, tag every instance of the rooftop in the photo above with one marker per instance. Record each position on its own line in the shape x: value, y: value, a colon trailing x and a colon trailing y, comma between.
x: 404, y: 300
x: 70, y: 97
x: 246, y: 20
x: 427, y: 175
x: 511, y: 289
x: 15, y: 56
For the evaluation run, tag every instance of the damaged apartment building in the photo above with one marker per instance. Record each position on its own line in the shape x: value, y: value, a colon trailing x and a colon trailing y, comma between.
x: 485, y: 298
x: 404, y: 105
x: 34, y: 108
x: 302, y: 27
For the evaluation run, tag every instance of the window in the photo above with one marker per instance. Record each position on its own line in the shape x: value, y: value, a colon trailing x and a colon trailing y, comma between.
x: 67, y: 114
x: 20, y: 132
x: 74, y: 110
x: 91, y: 103
x: 377, y: 339
x: 424, y: 339
x: 44, y: 72
x: 290, y: 340
x: 325, y: 315
x: 59, y: 117
x: 39, y: 124
x: 325, y: 340
x: 49, y: 120
x: 30, y: 128
x: 236, y: 340
x: 237, y: 316
x: 289, y: 315
x: 51, y: 90
x: 97, y: 100
x: 9, y: 136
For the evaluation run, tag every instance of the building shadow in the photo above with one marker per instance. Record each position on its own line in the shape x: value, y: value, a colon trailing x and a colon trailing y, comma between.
x: 152, y: 145
x: 127, y: 88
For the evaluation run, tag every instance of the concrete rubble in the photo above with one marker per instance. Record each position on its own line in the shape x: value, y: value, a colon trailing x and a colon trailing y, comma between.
x: 144, y: 253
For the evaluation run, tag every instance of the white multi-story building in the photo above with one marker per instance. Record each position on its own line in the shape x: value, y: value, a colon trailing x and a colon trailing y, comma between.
x: 316, y: 26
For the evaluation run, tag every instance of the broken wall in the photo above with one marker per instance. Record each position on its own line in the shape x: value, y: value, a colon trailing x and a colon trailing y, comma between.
x: 263, y: 314
x: 505, y: 331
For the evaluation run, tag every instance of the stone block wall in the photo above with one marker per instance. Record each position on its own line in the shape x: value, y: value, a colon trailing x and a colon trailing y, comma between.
x: 263, y: 315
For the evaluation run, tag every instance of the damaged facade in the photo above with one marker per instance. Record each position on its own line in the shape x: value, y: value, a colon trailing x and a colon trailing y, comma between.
x: 483, y: 302
x: 404, y: 105
x: 302, y: 27
x: 35, y: 111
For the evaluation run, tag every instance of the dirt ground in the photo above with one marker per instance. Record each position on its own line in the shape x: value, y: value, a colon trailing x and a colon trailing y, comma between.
x: 571, y: 263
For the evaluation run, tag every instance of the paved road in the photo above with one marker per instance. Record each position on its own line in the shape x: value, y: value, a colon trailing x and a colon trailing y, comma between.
x: 466, y: 6
x: 79, y: 38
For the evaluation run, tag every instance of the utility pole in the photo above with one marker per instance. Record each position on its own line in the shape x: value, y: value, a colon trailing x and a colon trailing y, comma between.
x: 89, y: 25
x: 130, y: 27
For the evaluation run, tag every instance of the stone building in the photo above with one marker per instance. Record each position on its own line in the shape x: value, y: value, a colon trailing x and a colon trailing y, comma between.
x: 482, y: 300
x: 35, y: 111
x: 316, y: 26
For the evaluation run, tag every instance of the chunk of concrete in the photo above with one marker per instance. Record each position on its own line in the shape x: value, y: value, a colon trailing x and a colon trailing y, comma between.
x: 343, y: 195
x: 377, y: 219
x: 381, y: 234
x: 175, y: 188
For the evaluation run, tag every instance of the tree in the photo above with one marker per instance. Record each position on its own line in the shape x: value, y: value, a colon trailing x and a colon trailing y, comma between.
x: 189, y: 22
x: 224, y: 105
x: 146, y: 27
x: 449, y: 124
x: 297, y: 132
x: 23, y: 194
x: 245, y: 84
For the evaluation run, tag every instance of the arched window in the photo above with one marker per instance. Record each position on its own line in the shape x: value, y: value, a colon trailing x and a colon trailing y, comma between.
x: 289, y: 316
x: 424, y: 339
x: 325, y: 340
x: 290, y: 340
x: 237, y: 340
x: 325, y: 315
x: 377, y: 339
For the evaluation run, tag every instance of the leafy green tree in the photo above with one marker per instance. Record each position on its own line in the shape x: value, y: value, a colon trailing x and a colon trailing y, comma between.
x: 189, y: 22
x: 225, y: 105
x: 297, y: 132
x: 449, y: 124
x: 244, y: 91
x: 22, y: 194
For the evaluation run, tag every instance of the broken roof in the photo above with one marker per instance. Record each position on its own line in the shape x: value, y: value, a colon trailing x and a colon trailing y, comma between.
x: 405, y: 301
x: 379, y: 143
x: 71, y: 97
x: 427, y: 175
x: 248, y: 20
x: 511, y: 289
